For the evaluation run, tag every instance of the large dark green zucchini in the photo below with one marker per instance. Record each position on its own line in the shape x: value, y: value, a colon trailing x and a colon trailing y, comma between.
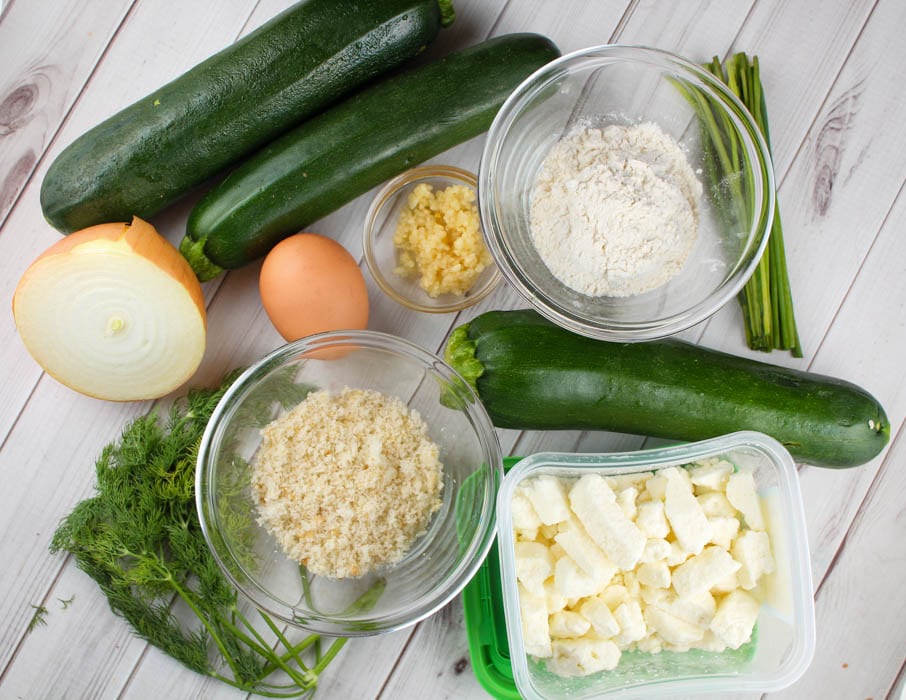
x: 148, y: 155
x: 533, y: 375
x: 354, y: 146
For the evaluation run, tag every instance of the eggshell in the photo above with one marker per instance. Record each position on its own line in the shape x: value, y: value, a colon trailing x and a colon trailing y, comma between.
x: 311, y: 284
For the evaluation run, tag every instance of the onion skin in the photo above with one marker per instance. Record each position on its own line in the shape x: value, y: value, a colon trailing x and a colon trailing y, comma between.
x: 102, y: 248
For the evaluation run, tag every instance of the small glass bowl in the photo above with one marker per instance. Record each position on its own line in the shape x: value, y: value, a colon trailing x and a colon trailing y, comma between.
x: 626, y: 85
x: 380, y: 250
x: 439, y: 563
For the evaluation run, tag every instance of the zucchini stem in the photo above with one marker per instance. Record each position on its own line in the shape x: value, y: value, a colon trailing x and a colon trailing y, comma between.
x: 447, y: 12
x: 203, y: 267
x: 460, y: 355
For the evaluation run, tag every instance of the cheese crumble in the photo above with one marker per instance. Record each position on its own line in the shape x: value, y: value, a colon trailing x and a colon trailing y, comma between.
x: 346, y: 482
x: 438, y: 239
x: 671, y: 560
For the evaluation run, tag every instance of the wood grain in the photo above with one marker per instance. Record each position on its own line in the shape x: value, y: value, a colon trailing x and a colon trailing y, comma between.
x: 833, y: 82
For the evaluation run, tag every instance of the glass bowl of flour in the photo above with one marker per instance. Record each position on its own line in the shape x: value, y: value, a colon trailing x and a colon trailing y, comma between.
x: 625, y: 193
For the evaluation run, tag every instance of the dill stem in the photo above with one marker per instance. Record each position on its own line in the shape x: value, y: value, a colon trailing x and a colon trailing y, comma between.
x: 302, y: 680
x: 332, y: 651
x: 204, y: 620
x: 256, y: 689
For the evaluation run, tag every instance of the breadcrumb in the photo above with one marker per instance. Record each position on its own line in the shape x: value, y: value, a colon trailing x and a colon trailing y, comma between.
x: 346, y: 482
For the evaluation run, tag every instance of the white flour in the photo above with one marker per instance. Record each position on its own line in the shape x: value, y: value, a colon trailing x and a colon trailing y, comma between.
x: 615, y: 210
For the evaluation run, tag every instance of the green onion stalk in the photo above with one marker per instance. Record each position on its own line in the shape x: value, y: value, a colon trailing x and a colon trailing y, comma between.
x: 766, y: 299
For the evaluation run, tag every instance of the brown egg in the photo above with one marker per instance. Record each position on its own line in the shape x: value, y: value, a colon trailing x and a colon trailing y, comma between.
x: 311, y: 284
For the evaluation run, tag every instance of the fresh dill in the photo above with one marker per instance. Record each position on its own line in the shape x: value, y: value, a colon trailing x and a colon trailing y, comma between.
x: 66, y: 602
x: 39, y: 618
x: 139, y: 538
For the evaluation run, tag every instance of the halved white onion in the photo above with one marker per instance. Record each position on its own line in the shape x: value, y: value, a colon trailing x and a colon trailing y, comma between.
x: 113, y: 311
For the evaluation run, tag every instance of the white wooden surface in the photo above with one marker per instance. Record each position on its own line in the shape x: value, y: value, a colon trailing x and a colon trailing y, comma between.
x: 834, y: 73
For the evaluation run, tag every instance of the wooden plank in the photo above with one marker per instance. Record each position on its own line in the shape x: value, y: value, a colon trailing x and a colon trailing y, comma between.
x: 124, y: 76
x: 46, y: 59
x: 861, y: 602
x: 74, y: 427
x: 858, y: 600
x: 76, y: 643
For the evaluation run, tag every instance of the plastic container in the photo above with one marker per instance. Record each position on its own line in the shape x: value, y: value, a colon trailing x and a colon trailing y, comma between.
x: 482, y: 601
x: 784, y: 640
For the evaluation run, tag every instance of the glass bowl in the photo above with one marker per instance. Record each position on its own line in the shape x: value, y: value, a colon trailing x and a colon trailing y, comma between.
x: 439, y: 563
x: 627, y: 85
x: 783, y: 642
x: 381, y: 253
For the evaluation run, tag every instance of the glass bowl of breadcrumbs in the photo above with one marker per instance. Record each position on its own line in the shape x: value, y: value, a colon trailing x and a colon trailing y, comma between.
x: 346, y: 483
x: 423, y: 241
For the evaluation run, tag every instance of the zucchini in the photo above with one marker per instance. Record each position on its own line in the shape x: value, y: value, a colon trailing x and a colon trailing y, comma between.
x: 145, y: 157
x: 533, y: 375
x: 354, y: 146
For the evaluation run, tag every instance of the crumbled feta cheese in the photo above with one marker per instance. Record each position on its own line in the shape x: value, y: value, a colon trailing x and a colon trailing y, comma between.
x: 650, y: 645
x: 697, y: 610
x: 753, y: 551
x: 567, y: 623
x: 618, y: 482
x: 555, y: 601
x: 723, y: 531
x: 742, y: 494
x: 726, y: 585
x: 626, y: 500
x: 677, y: 554
x: 525, y: 520
x: 685, y: 515
x: 595, y: 505
x: 535, y: 630
x: 735, y: 619
x: 655, y: 574
x: 711, y: 642
x: 670, y: 628
x: 631, y: 620
x: 711, y: 476
x: 580, y: 657
x: 548, y: 498
x: 614, y: 595
x: 600, y: 617
x: 587, y: 555
x: 656, y: 596
x: 656, y: 487
x: 651, y: 519
x: 654, y: 562
x: 533, y: 565
x: 571, y: 582
x: 655, y: 550
x: 715, y: 505
x: 700, y: 573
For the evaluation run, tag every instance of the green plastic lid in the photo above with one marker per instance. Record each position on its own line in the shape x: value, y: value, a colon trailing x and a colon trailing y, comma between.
x: 482, y: 602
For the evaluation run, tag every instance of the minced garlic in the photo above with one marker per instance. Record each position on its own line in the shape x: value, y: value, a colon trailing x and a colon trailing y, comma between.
x: 439, y: 239
x: 346, y: 482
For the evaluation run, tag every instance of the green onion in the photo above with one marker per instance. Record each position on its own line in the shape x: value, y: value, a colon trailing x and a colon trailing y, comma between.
x: 766, y: 299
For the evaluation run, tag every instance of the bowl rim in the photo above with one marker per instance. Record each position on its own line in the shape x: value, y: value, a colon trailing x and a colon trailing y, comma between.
x: 362, y: 626
x: 382, y: 198
x: 652, y: 459
x: 621, y: 330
